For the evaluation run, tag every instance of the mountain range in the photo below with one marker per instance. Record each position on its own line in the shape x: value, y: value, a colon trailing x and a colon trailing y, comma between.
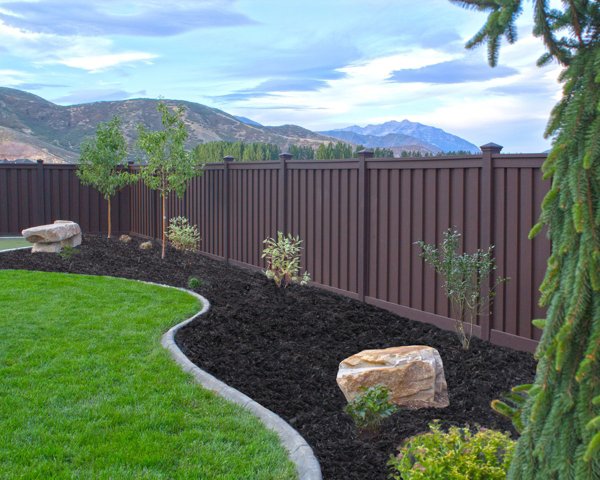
x: 405, y: 135
x: 31, y: 127
x: 34, y: 128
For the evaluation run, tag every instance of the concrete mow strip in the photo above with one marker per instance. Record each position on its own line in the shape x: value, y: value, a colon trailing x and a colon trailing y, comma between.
x: 299, y: 451
x: 14, y: 249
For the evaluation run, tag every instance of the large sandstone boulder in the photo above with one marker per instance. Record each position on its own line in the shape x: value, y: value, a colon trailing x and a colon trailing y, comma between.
x: 414, y: 375
x: 53, y: 237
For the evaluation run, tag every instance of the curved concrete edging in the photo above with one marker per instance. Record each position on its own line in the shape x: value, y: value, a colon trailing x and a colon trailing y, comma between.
x: 14, y: 249
x: 299, y: 451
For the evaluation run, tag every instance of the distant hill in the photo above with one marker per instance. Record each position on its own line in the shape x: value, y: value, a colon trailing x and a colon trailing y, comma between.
x: 32, y: 127
x: 15, y: 145
x: 248, y: 121
x: 404, y: 135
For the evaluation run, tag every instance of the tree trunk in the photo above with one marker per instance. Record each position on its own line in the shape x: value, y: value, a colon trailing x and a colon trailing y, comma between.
x: 109, y: 219
x: 164, y: 225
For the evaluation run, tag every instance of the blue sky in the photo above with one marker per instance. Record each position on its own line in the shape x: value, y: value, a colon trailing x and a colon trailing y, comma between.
x: 319, y: 64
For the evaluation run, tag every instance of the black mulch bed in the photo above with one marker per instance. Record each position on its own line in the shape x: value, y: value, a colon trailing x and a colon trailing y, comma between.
x: 283, y: 347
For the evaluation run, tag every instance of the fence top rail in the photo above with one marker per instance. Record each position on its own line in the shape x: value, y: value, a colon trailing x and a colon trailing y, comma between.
x: 430, y: 162
x: 516, y: 156
x: 266, y: 165
x: 18, y: 165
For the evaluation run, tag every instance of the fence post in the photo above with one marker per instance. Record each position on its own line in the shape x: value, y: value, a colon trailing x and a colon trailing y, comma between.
x: 487, y: 198
x: 127, y: 225
x: 41, y: 185
x: 363, y: 224
x: 282, y: 213
x: 226, y: 192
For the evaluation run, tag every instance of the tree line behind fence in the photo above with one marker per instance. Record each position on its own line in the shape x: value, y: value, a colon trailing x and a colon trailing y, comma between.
x: 358, y: 219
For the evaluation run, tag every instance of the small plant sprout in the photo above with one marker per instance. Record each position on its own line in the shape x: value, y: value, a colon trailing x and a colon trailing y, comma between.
x: 283, y: 260
x: 182, y: 235
x: 68, y: 252
x: 194, y: 283
x: 369, y: 408
x: 463, y: 277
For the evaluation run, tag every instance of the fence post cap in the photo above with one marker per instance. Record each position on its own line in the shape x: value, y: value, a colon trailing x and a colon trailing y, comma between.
x: 228, y: 158
x: 367, y: 153
x: 39, y: 162
x: 491, y: 147
x: 285, y: 156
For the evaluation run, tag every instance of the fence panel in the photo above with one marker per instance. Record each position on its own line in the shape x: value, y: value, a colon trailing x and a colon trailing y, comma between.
x: 412, y: 200
x: 518, y: 193
x: 37, y: 194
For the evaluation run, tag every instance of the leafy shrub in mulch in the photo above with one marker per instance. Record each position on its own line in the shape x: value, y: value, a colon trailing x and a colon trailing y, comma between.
x: 183, y: 235
x: 371, y: 407
x: 457, y: 454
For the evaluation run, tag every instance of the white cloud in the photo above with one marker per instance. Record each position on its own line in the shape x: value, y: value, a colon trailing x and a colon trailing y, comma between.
x: 12, y: 77
x: 477, y: 111
x: 91, y: 54
x: 97, y: 63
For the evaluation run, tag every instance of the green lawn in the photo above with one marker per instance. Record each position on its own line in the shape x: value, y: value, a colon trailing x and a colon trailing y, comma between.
x: 87, y: 392
x: 6, y: 243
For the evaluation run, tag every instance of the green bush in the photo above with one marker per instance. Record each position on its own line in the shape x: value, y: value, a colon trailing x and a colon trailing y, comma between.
x: 68, y: 252
x: 370, y: 408
x: 463, y: 276
x: 194, y: 283
x: 283, y: 260
x: 182, y: 235
x: 455, y: 455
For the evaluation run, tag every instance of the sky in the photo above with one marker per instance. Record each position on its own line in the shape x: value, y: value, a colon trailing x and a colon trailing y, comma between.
x: 319, y: 64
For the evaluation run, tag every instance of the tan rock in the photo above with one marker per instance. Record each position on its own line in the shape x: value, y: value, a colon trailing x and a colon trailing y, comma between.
x: 146, y: 245
x: 54, y: 232
x: 53, y: 237
x: 125, y: 238
x: 413, y: 374
x: 56, y: 247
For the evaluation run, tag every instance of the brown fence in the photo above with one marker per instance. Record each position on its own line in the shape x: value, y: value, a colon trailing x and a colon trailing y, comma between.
x: 36, y: 194
x: 358, y: 218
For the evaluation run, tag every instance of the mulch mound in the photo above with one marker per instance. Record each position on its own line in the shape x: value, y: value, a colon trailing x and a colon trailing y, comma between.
x: 283, y: 347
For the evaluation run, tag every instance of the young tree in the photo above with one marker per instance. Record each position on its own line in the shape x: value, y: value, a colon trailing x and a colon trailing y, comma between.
x: 101, y: 162
x: 168, y: 165
x: 560, y: 417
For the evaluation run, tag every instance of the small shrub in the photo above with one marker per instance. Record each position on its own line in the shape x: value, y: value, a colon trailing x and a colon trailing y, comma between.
x: 68, y: 252
x: 182, y: 235
x: 370, y: 408
x: 463, y: 277
x: 283, y: 260
x: 194, y: 283
x: 455, y: 455
x: 146, y: 245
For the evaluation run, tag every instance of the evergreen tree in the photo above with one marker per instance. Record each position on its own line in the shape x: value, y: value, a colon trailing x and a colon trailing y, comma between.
x: 560, y: 418
x: 169, y: 166
x: 383, y: 152
x: 212, y: 152
x: 101, y: 162
x: 302, y: 152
